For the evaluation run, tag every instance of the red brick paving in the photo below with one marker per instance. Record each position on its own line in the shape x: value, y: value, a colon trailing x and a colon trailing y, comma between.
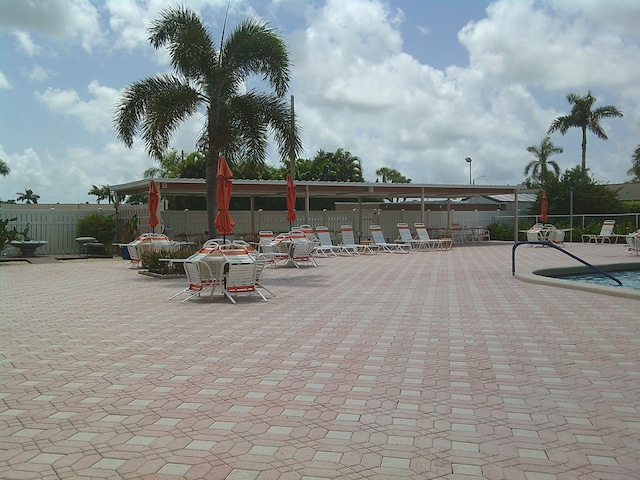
x: 428, y: 365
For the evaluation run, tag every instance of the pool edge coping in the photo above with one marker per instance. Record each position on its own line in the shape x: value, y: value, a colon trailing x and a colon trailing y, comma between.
x: 533, y: 277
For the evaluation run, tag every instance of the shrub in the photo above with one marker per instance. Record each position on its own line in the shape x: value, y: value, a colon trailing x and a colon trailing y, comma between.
x: 151, y: 261
x: 101, y: 227
x: 500, y: 231
x: 7, y: 235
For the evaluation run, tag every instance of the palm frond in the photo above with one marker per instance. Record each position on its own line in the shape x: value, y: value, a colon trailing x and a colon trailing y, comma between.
x: 154, y: 107
x: 188, y: 40
x: 254, y: 48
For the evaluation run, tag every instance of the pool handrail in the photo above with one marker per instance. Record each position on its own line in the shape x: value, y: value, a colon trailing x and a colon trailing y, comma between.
x: 551, y: 244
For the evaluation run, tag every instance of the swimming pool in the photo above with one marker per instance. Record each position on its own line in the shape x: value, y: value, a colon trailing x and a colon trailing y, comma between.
x: 559, y: 277
x: 629, y: 278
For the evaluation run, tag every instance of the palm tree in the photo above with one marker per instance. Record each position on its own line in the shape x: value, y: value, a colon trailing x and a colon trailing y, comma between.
x: 4, y: 168
x: 390, y: 175
x: 539, y: 168
x: 634, y: 171
x: 208, y: 81
x: 583, y: 117
x: 338, y: 166
x: 28, y: 196
x: 102, y: 192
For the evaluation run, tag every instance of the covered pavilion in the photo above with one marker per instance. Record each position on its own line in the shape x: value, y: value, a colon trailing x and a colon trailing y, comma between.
x: 321, y: 189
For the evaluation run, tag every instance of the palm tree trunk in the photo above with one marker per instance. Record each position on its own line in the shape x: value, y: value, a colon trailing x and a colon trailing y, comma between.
x: 584, y: 148
x: 212, y: 169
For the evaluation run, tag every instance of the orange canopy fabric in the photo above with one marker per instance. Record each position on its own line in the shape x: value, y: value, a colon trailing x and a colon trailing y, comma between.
x: 291, y: 199
x: 544, y: 207
x: 223, y: 222
x: 152, y: 205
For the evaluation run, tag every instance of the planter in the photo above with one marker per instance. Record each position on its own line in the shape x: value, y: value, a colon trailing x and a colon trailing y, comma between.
x: 28, y: 248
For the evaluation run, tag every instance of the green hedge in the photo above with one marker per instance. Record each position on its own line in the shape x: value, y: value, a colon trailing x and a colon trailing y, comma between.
x: 151, y: 261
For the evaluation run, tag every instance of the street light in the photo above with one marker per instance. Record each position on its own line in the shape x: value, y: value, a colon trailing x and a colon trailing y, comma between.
x: 477, y: 178
x: 468, y: 160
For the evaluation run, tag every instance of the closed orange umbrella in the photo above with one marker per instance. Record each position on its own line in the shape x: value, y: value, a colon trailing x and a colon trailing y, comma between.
x: 152, y: 205
x: 223, y: 222
x: 544, y: 207
x: 291, y: 200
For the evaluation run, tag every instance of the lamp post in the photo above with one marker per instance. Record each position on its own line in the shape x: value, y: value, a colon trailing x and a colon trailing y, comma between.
x: 468, y: 160
x: 477, y: 178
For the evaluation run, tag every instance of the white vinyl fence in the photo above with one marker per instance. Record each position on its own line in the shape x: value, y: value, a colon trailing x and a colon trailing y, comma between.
x: 57, y: 227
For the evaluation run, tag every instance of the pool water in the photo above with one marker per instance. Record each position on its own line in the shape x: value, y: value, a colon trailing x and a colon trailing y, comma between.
x: 629, y: 278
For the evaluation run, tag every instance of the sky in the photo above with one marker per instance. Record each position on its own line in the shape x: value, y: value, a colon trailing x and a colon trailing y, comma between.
x: 413, y: 85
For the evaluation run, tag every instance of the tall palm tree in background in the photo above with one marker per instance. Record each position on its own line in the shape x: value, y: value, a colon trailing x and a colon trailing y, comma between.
x: 539, y: 168
x: 583, y: 117
x: 209, y: 81
x: 4, y: 168
x: 634, y: 171
x: 103, y: 192
x: 28, y: 196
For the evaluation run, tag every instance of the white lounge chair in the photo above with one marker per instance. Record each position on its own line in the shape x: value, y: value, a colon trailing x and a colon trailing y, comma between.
x: 349, y: 242
x: 432, y: 243
x: 606, y: 232
x: 378, y: 239
x: 407, y: 239
x: 326, y: 247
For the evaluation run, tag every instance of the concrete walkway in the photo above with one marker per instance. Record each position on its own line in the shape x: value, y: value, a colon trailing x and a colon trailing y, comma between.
x: 420, y: 366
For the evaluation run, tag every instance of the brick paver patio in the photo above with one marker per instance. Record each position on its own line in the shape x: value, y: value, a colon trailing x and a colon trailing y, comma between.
x: 419, y: 366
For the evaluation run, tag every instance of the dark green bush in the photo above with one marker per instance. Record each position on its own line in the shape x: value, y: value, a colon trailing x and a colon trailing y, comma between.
x: 500, y: 231
x: 151, y: 261
x: 101, y: 227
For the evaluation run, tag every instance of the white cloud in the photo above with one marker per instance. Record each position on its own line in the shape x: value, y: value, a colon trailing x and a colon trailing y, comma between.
x: 41, y: 171
x: 4, y: 82
x: 39, y: 74
x: 26, y: 43
x: 95, y: 114
x: 567, y: 47
x: 62, y: 20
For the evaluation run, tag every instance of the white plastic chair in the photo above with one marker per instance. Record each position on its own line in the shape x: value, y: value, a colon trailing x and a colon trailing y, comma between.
x: 240, y: 279
x: 301, y: 253
x: 200, y: 277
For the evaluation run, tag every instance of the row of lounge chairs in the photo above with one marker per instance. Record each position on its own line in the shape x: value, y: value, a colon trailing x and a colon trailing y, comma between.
x: 324, y: 246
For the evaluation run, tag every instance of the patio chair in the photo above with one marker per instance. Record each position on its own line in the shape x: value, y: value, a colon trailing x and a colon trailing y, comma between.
x: 457, y: 233
x: 556, y: 236
x: 309, y: 233
x: 432, y: 243
x: 301, y: 253
x: 240, y: 279
x: 349, y: 242
x: 261, y: 263
x: 264, y: 238
x: 200, y: 277
x: 326, y: 244
x: 633, y: 242
x: 606, y: 232
x: 407, y: 239
x: 378, y: 239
